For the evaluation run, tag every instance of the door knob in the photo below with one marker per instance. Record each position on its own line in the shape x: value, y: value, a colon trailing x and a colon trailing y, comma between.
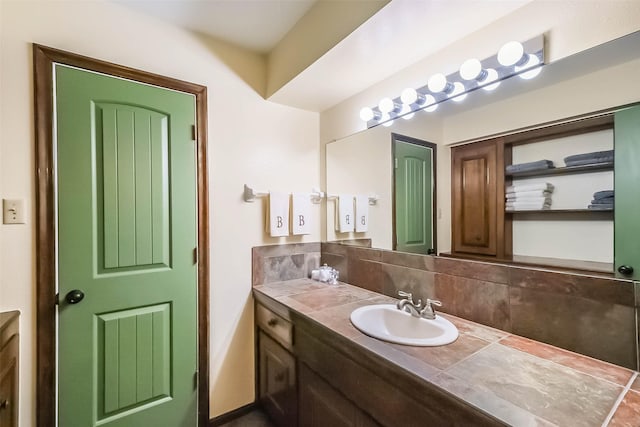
x: 74, y: 296
x: 627, y: 270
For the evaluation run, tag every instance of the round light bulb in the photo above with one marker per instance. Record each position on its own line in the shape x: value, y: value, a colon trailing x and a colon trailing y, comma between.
x: 471, y: 69
x: 406, y: 112
x: 411, y: 96
x: 492, y: 76
x: 533, y: 61
x: 437, y: 83
x: 430, y: 101
x: 458, y: 92
x: 386, y: 105
x: 511, y: 53
x: 366, y: 114
x: 386, y: 120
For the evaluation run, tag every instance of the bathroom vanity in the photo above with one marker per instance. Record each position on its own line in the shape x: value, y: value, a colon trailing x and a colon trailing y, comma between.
x: 9, y: 346
x: 316, y: 369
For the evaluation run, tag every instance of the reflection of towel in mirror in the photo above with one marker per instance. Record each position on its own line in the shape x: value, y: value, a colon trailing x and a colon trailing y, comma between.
x: 527, y: 194
x: 278, y: 214
x: 517, y: 206
x: 602, y: 194
x: 530, y: 166
x: 589, y: 158
x: 603, y: 207
x: 604, y: 201
x: 529, y: 200
x: 362, y: 213
x: 542, y: 186
x: 344, y: 213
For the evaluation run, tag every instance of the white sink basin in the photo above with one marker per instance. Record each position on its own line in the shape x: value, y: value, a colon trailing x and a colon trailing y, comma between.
x: 387, y: 323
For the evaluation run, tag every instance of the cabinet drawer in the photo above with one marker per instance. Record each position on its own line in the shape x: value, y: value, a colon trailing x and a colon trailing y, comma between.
x: 9, y: 383
x: 277, y: 327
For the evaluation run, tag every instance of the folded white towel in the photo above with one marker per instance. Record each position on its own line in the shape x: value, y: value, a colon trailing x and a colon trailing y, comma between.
x: 529, y: 200
x: 362, y: 213
x: 344, y: 213
x: 542, y: 186
x: 527, y: 208
x: 300, y: 213
x: 278, y: 214
x: 533, y: 193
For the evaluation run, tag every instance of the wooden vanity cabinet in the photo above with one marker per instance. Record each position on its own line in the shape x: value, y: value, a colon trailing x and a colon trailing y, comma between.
x: 477, y: 180
x: 322, y: 405
x: 277, y: 379
x: 9, y: 344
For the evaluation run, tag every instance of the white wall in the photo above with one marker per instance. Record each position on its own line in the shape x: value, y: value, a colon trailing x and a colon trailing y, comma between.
x: 251, y: 141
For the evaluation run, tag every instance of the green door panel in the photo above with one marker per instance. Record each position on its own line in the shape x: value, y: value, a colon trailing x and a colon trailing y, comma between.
x: 126, y: 188
x: 413, y: 197
x: 627, y: 189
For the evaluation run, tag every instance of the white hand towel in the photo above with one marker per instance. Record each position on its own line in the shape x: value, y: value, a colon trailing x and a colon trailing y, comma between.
x: 278, y: 214
x: 529, y: 200
x: 344, y: 206
x: 301, y: 213
x: 533, y: 193
x: 362, y: 213
x: 544, y: 186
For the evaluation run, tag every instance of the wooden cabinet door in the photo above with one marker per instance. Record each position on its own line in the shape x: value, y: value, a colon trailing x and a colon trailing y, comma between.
x: 322, y: 405
x: 474, y: 177
x: 9, y: 383
x: 627, y: 193
x: 277, y: 381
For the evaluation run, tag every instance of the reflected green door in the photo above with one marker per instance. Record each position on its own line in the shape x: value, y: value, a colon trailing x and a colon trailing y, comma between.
x: 126, y: 177
x: 627, y: 191
x: 413, y: 198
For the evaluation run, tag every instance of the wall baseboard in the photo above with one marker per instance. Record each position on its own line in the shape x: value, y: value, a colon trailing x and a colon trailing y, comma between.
x: 232, y: 415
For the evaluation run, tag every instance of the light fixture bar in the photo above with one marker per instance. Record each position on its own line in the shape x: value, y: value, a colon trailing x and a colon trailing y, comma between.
x: 524, y: 59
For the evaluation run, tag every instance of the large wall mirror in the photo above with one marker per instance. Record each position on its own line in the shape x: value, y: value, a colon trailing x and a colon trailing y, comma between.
x: 598, y: 79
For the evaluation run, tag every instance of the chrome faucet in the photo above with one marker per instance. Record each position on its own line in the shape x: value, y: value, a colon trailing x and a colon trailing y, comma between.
x: 417, y: 309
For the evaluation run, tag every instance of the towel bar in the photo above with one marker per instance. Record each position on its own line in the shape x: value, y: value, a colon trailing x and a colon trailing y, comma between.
x: 373, y: 198
x: 250, y: 195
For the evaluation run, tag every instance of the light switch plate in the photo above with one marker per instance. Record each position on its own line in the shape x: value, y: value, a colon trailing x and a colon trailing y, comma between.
x: 13, y: 211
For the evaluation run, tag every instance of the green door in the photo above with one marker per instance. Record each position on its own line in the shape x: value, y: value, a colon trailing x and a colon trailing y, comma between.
x: 413, y: 197
x: 627, y: 192
x: 126, y: 193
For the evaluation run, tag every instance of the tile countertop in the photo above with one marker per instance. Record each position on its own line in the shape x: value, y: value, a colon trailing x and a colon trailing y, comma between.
x: 520, y: 382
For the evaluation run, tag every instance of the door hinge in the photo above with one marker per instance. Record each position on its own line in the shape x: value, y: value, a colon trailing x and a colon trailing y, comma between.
x: 195, y: 255
x: 396, y: 162
x: 195, y: 380
x: 57, y: 300
x: 193, y: 132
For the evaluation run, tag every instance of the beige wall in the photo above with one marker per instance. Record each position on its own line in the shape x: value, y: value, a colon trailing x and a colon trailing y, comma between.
x: 251, y: 141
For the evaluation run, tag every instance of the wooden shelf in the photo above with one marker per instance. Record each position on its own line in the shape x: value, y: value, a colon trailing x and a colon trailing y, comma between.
x: 596, y: 167
x: 562, y: 211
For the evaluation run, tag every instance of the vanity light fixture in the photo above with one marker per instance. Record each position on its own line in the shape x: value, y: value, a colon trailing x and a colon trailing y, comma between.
x: 514, y: 58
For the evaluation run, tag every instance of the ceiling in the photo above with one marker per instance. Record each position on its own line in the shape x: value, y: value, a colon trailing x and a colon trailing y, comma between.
x: 356, y: 54
x: 256, y: 25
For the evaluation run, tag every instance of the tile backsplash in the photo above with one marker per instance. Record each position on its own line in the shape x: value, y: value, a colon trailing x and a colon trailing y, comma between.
x: 591, y: 315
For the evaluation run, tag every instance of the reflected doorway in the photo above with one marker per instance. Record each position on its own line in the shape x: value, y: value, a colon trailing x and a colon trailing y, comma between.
x: 414, y: 195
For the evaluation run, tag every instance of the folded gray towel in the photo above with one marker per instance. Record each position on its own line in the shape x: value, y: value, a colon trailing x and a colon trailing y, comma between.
x: 605, y: 201
x: 586, y: 156
x: 602, y: 194
x: 600, y: 207
x: 530, y: 166
x: 593, y: 161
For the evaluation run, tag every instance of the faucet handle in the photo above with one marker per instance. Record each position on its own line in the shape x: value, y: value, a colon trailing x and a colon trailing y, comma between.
x: 406, y: 295
x: 428, y: 311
